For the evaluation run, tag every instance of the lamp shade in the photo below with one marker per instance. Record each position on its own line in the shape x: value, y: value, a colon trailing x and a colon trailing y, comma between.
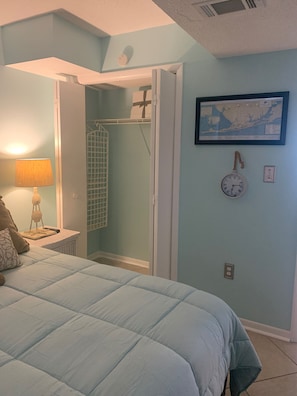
x: 35, y: 172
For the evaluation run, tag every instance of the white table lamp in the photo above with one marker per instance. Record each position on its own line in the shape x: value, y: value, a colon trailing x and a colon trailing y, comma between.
x: 35, y: 173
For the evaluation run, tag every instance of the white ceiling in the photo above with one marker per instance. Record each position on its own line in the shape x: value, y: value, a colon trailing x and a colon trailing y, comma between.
x: 272, y: 27
x: 264, y: 29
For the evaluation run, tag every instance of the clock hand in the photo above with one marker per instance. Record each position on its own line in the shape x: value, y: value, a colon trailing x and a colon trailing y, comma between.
x: 234, y: 185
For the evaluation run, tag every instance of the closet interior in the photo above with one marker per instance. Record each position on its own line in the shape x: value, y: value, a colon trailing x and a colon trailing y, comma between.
x: 118, y: 177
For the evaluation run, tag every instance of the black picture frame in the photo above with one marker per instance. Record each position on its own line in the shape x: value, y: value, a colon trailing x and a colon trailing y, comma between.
x: 259, y: 118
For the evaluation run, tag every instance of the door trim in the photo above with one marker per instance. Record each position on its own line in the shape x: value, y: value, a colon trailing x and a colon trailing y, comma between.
x: 293, y: 331
x: 176, y: 173
x: 164, y: 258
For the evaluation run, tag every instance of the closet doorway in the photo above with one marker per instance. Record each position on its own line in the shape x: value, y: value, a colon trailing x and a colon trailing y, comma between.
x: 161, y: 139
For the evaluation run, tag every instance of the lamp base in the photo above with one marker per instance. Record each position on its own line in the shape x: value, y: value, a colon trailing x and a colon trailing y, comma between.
x: 38, y: 233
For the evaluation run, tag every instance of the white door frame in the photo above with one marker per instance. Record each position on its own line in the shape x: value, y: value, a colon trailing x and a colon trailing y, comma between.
x: 165, y: 157
x: 176, y: 172
x: 293, y: 331
x: 161, y: 175
x: 177, y: 69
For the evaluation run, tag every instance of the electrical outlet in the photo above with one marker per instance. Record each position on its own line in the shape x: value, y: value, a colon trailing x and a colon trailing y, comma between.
x: 269, y: 174
x: 229, y: 271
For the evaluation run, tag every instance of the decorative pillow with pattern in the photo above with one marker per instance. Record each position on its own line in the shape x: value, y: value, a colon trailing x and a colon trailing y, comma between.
x: 9, y: 257
x: 6, y: 221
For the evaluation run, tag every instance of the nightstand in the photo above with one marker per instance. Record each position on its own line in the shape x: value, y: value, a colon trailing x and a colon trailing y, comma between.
x: 63, y: 242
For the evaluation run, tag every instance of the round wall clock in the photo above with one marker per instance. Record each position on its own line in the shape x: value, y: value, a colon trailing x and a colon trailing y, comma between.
x: 234, y: 185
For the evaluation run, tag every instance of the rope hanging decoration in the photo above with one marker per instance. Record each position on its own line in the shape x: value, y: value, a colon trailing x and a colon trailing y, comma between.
x: 237, y: 157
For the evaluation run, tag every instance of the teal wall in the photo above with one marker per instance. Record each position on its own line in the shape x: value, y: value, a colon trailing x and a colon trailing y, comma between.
x: 258, y: 232
x: 127, y: 233
x: 26, y: 125
x: 165, y: 44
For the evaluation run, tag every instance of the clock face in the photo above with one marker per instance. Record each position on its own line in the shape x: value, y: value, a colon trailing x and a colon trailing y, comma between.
x: 234, y: 185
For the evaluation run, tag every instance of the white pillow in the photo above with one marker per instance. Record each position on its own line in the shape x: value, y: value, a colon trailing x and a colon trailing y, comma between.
x: 9, y: 257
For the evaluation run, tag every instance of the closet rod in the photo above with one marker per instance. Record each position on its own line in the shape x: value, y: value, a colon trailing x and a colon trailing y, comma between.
x: 127, y: 121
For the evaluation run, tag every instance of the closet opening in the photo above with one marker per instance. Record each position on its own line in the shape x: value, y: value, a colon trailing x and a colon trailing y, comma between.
x: 123, y: 160
x: 118, y: 180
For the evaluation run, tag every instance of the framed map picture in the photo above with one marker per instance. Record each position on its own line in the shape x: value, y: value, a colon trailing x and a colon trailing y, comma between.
x: 242, y: 119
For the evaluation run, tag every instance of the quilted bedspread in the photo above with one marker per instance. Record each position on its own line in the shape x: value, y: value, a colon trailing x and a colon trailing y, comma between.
x: 70, y: 326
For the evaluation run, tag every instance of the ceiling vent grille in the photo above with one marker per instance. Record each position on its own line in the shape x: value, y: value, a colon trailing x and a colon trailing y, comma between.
x: 211, y: 8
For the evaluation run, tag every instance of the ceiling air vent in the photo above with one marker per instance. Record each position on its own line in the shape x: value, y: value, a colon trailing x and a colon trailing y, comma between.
x: 212, y: 8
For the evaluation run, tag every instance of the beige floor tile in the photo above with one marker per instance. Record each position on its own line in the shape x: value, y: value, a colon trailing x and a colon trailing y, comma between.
x: 289, y: 348
x: 281, y: 386
x: 275, y: 362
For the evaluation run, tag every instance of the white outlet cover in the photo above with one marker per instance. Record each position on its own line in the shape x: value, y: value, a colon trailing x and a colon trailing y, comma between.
x: 269, y: 174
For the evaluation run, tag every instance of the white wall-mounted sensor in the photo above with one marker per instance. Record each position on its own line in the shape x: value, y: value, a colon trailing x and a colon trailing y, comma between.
x: 123, y: 60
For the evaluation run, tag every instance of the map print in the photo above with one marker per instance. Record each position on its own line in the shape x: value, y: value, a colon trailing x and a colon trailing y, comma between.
x: 257, y: 119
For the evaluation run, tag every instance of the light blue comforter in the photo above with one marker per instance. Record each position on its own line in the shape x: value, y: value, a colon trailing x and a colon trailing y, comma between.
x: 69, y: 326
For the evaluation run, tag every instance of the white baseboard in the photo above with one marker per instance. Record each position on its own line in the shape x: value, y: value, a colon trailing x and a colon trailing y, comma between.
x: 274, y: 332
x: 124, y: 259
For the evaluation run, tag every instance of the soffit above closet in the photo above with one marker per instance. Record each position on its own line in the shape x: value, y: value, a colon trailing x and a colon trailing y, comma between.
x: 270, y: 26
x: 101, y: 17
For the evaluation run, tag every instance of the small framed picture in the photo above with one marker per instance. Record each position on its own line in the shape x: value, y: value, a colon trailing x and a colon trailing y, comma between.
x: 242, y: 119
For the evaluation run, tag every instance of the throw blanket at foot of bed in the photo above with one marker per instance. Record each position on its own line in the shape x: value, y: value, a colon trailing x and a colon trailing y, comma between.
x: 70, y: 326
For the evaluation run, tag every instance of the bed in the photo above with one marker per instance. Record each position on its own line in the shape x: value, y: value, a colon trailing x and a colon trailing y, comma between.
x: 71, y: 326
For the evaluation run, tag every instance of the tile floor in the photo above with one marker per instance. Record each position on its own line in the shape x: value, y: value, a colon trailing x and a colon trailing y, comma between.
x: 279, y: 373
x: 279, y: 358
